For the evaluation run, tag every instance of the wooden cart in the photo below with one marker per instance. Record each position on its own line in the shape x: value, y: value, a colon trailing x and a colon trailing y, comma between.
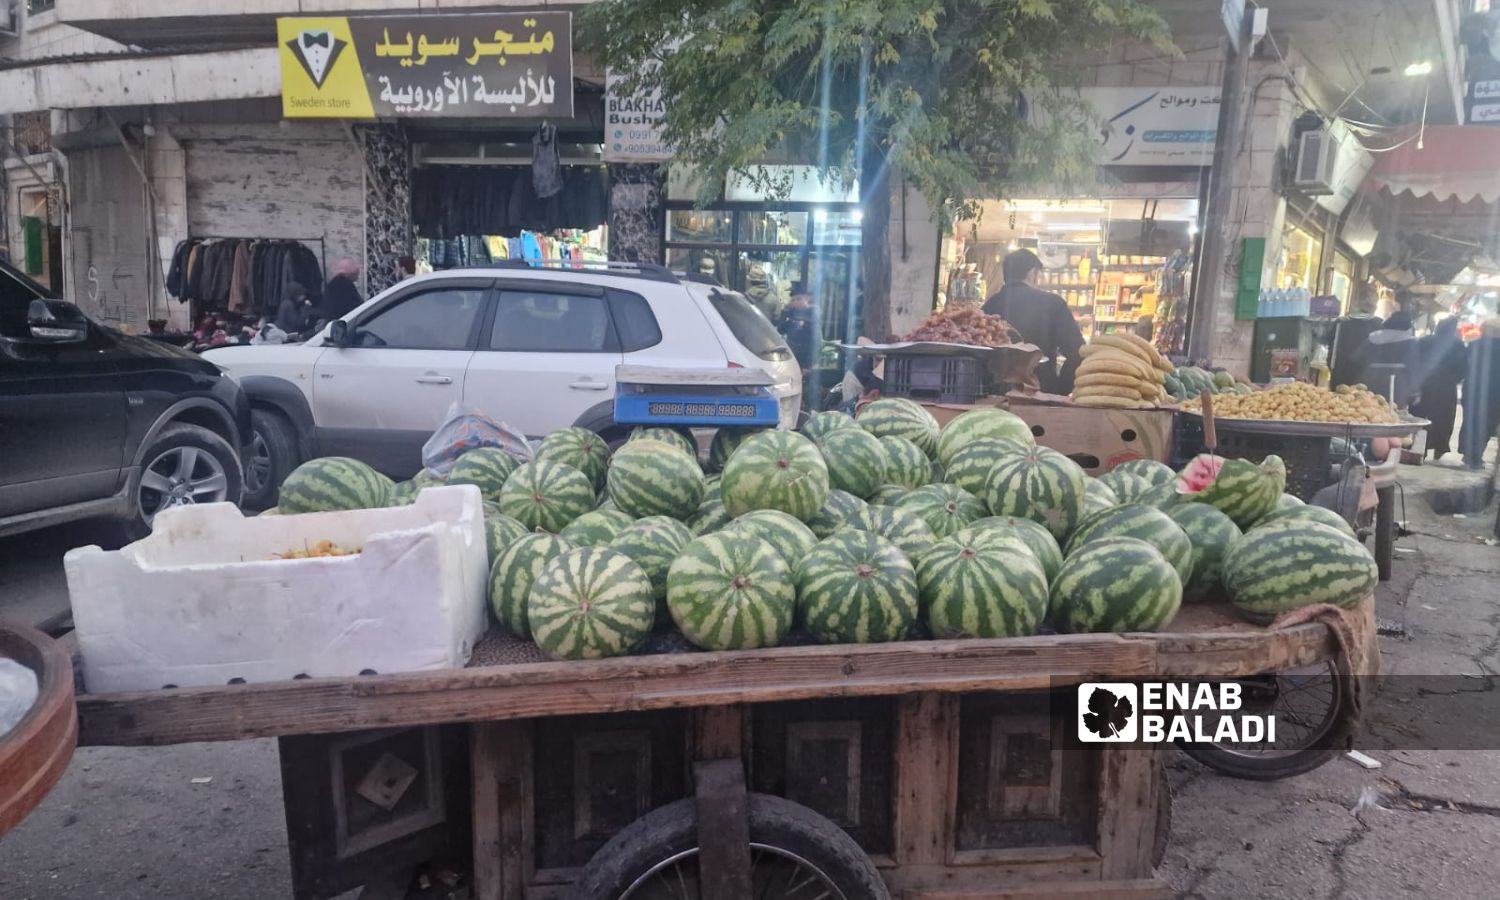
x: 950, y: 763
x: 35, y: 753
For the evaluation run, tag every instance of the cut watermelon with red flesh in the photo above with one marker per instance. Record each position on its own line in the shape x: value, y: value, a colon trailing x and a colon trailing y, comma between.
x: 1242, y: 490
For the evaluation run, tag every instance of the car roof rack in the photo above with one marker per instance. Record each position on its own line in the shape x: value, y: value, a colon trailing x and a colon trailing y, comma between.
x: 649, y: 271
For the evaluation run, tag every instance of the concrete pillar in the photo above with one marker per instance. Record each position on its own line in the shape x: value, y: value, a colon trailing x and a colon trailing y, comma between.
x: 914, y: 237
x: 167, y: 165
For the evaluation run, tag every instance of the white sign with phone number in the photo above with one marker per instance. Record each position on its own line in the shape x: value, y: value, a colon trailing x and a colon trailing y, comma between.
x: 633, y: 123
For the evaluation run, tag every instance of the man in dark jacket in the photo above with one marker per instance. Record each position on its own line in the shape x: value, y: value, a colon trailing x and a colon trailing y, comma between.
x: 341, y: 297
x: 1042, y: 319
x: 799, y: 324
x: 295, y: 313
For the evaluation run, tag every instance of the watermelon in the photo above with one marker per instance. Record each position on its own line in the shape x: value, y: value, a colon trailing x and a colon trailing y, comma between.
x: 546, y: 495
x: 1163, y: 496
x: 899, y: 417
x: 580, y: 448
x: 1240, y: 489
x: 711, y: 516
x: 595, y: 528
x: 1212, y: 534
x: 484, y: 467
x: 1034, y: 535
x: 856, y: 461
x: 653, y: 542
x: 1126, y: 486
x: 512, y: 574
x: 790, y: 536
x: 906, y: 464
x: 681, y: 438
x: 820, y: 424
x: 403, y: 493
x: 841, y: 510
x: 711, y: 489
x: 500, y: 531
x: 731, y: 591
x: 606, y: 503
x: 273, y: 511
x: 980, y: 424
x: 428, y: 478
x: 726, y: 441
x: 646, y: 478
x: 888, y: 494
x: 1042, y: 485
x: 1144, y: 522
x: 1305, y: 513
x: 945, y: 508
x: 1152, y: 470
x: 775, y: 470
x: 970, y: 466
x: 589, y: 603
x: 331, y: 483
x: 1286, y: 502
x: 989, y: 588
x: 856, y: 588
x: 1115, y: 584
x: 1285, y: 565
x: 903, y: 528
x: 1100, y: 489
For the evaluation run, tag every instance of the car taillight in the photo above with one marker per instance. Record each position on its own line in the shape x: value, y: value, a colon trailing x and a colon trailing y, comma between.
x: 735, y: 365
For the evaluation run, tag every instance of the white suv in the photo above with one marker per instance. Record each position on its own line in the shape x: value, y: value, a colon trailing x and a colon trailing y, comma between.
x: 534, y: 347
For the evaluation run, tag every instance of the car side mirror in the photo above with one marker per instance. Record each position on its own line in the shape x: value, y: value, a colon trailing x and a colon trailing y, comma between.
x: 339, y: 333
x: 56, y: 322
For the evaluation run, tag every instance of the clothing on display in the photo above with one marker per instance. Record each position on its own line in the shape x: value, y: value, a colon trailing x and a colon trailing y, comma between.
x: 477, y: 250
x: 453, y: 201
x: 546, y: 163
x: 242, y: 275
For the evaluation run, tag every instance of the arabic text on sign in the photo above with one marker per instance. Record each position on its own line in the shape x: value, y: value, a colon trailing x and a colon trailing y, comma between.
x: 458, y: 90
x: 416, y: 52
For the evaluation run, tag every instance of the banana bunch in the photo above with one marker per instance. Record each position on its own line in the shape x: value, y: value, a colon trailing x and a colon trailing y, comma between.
x: 1121, y: 370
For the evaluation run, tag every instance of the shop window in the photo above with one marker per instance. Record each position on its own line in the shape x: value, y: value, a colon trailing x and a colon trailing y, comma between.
x: 699, y: 226
x: 777, y: 227
x: 527, y: 322
x: 767, y: 278
x: 837, y: 228
x: 711, y: 262
x: 1342, y: 285
x: 434, y: 320
x: 1298, y: 263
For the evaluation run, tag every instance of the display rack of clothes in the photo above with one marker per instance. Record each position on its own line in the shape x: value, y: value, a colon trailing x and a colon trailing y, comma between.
x: 452, y: 201
x: 246, y: 276
x: 475, y: 250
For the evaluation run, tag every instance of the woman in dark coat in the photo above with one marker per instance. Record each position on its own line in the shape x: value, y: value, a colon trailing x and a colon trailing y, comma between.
x: 1443, y: 364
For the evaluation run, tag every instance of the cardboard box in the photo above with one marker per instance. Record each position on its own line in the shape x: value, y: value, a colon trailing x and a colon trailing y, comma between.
x: 1097, y: 439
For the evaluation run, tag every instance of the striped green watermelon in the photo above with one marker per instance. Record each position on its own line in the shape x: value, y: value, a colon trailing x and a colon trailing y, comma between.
x: 331, y: 483
x: 597, y: 528
x: 906, y: 464
x: 980, y: 424
x: 1040, y: 484
x: 653, y: 542
x: 903, y: 418
x: 888, y: 494
x: 789, y: 535
x: 970, y: 467
x: 580, y: 448
x: 1106, y: 494
x: 903, y: 528
x: 1034, y: 535
x: 428, y: 478
x: 546, y: 495
x: 1212, y: 534
x: 1116, y: 584
x: 731, y: 591
x: 484, y: 467
x: 590, y: 603
x: 839, y: 511
x: 711, y: 516
x: 1285, y: 565
x: 1164, y: 497
x: 989, y: 588
x: 856, y: 461
x: 403, y: 493
x: 1152, y: 470
x: 820, y: 424
x: 606, y: 503
x: 1286, y: 502
x: 500, y: 531
x: 512, y: 574
x: 945, y: 508
x: 856, y: 588
x: 1240, y: 489
x: 711, y: 489
x: 1144, y: 522
x: 681, y: 438
x: 646, y: 478
x: 1304, y: 513
x: 1126, y: 486
x: 775, y: 470
x: 726, y: 441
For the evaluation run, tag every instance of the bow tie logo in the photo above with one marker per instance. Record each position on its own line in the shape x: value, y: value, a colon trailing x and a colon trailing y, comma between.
x: 316, y: 39
x: 316, y: 65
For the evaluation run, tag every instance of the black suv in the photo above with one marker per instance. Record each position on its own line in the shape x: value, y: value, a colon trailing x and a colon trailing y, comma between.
x: 94, y: 422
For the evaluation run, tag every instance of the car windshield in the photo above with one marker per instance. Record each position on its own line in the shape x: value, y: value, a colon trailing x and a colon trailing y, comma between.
x: 749, y: 325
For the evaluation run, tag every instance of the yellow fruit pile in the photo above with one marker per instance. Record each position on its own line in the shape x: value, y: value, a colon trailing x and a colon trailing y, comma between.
x: 1120, y: 370
x: 1302, y: 402
x: 321, y: 548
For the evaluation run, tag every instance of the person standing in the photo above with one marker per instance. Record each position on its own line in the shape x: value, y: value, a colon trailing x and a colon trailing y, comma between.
x: 341, y: 296
x: 1042, y: 318
x: 799, y: 325
x: 1443, y: 366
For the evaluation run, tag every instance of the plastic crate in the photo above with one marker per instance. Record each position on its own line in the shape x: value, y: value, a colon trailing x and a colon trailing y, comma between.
x: 1309, y: 460
x: 938, y: 379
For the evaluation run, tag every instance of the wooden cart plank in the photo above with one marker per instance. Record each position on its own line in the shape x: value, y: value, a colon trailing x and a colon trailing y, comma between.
x: 926, y: 775
x: 235, y: 712
x: 1127, y: 810
x: 484, y: 772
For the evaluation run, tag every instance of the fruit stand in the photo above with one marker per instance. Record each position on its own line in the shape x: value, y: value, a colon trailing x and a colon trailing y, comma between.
x: 949, y: 763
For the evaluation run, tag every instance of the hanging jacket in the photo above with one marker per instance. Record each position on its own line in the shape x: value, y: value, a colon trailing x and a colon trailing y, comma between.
x: 546, y: 163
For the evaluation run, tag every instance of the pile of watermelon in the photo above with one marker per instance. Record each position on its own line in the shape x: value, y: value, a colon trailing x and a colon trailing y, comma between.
x: 880, y: 527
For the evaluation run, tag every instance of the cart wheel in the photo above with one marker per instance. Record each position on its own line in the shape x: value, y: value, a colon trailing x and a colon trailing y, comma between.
x: 1313, y: 723
x: 795, y: 854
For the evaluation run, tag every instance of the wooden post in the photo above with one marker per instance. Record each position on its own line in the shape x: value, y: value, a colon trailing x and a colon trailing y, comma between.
x: 718, y: 732
x: 1127, y: 810
x: 926, y: 772
x: 484, y: 768
x: 500, y: 765
x: 723, y: 830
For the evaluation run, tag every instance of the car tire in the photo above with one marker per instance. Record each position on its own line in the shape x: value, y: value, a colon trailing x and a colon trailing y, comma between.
x: 270, y: 458
x: 184, y: 464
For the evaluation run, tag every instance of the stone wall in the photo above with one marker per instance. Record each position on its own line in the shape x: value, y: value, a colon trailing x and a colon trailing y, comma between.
x: 388, y: 237
x: 635, y: 217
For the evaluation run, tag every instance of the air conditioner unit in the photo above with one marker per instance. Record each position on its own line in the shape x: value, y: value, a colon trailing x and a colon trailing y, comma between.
x: 1317, y: 157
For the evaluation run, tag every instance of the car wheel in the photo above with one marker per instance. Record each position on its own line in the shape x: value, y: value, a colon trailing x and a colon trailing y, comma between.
x: 184, y: 465
x: 271, y: 456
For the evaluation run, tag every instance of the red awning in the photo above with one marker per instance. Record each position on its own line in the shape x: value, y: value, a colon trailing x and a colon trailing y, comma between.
x: 1454, y: 162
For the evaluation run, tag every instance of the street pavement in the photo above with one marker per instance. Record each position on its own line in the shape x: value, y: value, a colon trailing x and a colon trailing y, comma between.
x: 142, y: 824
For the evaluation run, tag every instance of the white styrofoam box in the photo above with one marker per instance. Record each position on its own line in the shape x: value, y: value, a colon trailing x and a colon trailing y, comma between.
x: 201, y: 601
